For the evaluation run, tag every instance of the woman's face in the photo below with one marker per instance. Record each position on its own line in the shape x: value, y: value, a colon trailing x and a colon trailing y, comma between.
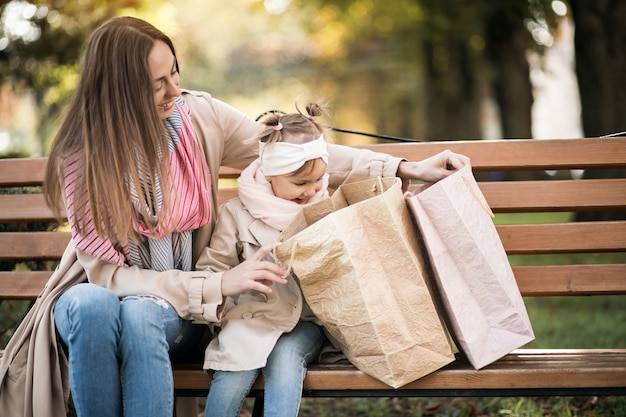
x: 299, y: 188
x: 165, y: 78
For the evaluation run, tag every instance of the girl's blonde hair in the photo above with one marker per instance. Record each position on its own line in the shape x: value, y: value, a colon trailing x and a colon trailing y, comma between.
x: 112, y: 125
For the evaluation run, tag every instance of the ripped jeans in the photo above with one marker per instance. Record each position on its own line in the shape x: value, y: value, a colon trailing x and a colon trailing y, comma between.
x: 120, y: 352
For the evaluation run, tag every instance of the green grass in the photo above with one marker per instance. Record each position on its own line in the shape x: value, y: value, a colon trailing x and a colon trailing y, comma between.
x: 578, y: 322
x: 465, y: 407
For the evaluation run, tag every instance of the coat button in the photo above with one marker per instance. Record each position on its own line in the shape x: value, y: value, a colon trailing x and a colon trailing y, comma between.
x: 247, y: 315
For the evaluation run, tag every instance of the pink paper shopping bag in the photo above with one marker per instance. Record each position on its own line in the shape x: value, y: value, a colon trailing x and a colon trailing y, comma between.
x: 485, y: 310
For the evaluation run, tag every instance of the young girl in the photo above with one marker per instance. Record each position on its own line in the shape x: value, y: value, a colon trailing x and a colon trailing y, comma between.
x: 271, y: 333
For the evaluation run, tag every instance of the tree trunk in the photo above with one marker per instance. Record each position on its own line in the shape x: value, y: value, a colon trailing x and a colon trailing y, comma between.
x: 600, y: 46
x: 506, y: 47
x: 453, y: 90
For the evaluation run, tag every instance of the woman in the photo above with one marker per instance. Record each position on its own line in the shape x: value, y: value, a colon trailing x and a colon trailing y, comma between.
x: 135, y: 166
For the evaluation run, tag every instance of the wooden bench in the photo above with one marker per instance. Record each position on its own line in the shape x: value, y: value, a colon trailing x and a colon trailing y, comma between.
x: 536, y: 180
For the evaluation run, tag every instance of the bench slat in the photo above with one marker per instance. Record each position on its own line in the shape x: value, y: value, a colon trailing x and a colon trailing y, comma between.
x: 532, y: 280
x: 516, y: 154
x: 555, y: 195
x: 31, y: 208
x: 574, y: 237
x: 511, y: 197
x: 22, y: 246
x: 24, y: 208
x: 516, y: 238
x: 22, y: 285
x: 20, y: 172
x: 485, y: 155
x: 520, y: 369
x: 549, y: 280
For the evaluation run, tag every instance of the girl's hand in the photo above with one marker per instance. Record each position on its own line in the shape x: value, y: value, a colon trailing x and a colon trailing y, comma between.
x: 253, y: 274
x: 434, y: 168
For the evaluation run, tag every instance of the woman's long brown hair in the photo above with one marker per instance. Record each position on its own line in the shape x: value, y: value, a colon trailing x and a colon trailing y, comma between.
x: 112, y: 124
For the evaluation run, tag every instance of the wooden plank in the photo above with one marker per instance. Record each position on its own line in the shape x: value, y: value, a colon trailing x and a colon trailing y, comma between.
x: 16, y: 172
x: 21, y: 246
x: 19, y: 172
x: 575, y: 237
x: 521, y: 154
x: 534, y: 280
x: 485, y: 155
x: 561, y: 280
x: 22, y: 285
x: 31, y: 208
x: 24, y: 208
x: 503, y: 197
x: 225, y: 194
x: 555, y: 195
x: 518, y: 370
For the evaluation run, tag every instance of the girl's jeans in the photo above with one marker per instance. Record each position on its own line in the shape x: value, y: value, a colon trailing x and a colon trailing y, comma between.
x: 119, y: 351
x: 282, y: 375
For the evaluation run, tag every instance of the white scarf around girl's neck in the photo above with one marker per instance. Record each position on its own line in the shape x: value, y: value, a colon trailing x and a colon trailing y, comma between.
x: 257, y: 196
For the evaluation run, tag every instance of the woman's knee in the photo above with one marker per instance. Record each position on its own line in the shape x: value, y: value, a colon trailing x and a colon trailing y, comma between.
x: 86, y: 306
x: 141, y: 314
x: 88, y: 300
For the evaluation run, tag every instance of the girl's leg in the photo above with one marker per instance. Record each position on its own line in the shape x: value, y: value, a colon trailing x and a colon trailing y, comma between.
x: 150, y: 325
x: 87, y: 320
x: 228, y: 390
x: 286, y: 369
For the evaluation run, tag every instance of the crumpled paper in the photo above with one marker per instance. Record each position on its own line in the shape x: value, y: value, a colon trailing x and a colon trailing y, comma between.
x: 362, y: 273
x: 484, y: 308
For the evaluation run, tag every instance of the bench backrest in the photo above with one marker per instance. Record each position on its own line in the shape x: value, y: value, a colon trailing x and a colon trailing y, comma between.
x: 516, y: 176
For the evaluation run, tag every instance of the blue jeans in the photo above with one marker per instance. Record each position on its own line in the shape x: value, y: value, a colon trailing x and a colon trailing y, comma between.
x: 283, y: 375
x: 119, y: 351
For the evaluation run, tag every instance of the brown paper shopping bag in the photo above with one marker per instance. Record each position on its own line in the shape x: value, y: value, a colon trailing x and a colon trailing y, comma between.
x: 484, y: 307
x: 361, y: 272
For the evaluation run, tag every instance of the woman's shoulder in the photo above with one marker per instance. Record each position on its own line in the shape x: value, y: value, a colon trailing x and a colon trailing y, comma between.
x: 208, y: 109
x: 195, y: 98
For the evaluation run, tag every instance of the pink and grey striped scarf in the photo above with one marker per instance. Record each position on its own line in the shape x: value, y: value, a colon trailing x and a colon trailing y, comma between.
x: 170, y: 246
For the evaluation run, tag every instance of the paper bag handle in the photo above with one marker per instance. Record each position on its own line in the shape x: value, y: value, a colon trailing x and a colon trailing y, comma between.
x: 478, y: 197
x: 293, y: 255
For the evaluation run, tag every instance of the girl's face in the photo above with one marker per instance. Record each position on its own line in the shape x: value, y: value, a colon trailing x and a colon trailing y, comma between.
x: 165, y: 78
x: 299, y: 188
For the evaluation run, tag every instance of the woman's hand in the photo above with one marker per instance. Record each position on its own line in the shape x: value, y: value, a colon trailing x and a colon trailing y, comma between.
x: 253, y: 274
x: 434, y: 168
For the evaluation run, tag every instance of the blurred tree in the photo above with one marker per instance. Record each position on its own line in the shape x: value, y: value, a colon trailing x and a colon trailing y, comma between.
x: 454, y: 44
x: 600, y: 45
x: 40, y: 45
x: 507, y: 42
x: 463, y: 51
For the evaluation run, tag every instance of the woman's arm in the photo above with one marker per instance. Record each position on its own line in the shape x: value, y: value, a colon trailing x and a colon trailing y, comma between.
x: 347, y: 164
x: 196, y: 295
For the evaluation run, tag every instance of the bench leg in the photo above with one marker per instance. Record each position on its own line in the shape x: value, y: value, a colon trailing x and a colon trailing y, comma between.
x: 185, y: 407
x: 257, y: 409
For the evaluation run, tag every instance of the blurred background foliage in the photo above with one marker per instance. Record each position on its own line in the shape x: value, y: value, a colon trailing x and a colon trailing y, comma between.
x: 426, y: 69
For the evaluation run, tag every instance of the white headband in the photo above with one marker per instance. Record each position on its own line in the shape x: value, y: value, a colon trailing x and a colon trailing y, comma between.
x: 280, y: 158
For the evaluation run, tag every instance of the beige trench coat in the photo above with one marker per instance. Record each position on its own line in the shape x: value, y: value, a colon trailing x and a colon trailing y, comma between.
x: 33, y: 370
x: 252, y: 318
